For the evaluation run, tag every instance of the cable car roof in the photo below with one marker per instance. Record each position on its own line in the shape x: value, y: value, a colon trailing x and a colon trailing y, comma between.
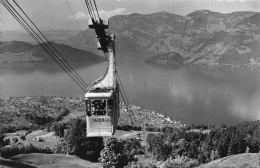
x: 99, y: 94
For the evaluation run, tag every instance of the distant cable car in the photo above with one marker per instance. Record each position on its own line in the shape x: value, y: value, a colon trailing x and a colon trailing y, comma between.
x: 102, y: 99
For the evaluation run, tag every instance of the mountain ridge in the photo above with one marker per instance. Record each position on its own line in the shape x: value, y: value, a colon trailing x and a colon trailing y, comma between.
x: 17, y: 51
x: 56, y: 35
x: 201, y: 37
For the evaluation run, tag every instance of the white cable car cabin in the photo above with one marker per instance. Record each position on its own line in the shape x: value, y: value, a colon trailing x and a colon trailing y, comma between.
x: 102, y: 99
x: 102, y: 111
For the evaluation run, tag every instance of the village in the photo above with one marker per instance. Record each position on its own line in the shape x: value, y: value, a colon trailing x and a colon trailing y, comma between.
x: 26, y: 111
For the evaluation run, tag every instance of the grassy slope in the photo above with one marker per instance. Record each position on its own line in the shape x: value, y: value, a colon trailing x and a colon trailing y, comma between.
x: 49, y: 138
x: 8, y: 163
x: 244, y: 160
x: 47, y: 161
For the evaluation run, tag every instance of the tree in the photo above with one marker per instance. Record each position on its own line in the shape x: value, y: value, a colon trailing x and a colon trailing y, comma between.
x: 223, y: 144
x: 205, y: 151
x: 193, y: 150
x: 162, y: 151
x: 247, y: 150
x: 58, y: 128
x: 113, y: 154
x: 78, y: 144
x: 214, y: 155
x: 61, y: 147
x: 181, y: 148
x: 150, y: 141
x: 159, y: 148
x: 3, y: 141
x: 237, y: 145
x: 131, y: 147
x: 23, y: 137
x: 15, y: 140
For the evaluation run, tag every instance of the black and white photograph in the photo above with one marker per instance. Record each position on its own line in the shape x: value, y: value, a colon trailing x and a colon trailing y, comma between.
x: 129, y: 83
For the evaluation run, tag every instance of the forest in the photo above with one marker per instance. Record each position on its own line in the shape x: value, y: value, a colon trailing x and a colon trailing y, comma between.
x: 170, y: 147
x: 220, y: 142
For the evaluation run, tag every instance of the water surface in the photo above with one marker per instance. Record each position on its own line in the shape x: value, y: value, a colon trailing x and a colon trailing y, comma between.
x: 188, y: 93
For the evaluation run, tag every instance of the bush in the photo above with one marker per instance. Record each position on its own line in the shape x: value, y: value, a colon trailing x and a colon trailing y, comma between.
x: 180, y: 162
x: 61, y: 148
x: 115, y: 153
x: 138, y: 165
x: 3, y: 141
x: 16, y: 150
x: 15, y: 140
x: 124, y: 127
x: 58, y: 128
x: 131, y: 147
x: 48, y: 129
x: 23, y: 137
x: 28, y: 132
x: 135, y: 128
x: 119, y: 127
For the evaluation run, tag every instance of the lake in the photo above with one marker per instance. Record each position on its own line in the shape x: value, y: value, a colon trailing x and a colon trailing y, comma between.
x: 189, y: 93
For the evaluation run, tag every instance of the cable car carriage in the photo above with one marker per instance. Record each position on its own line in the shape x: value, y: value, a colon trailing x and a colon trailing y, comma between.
x: 102, y: 107
x: 102, y: 99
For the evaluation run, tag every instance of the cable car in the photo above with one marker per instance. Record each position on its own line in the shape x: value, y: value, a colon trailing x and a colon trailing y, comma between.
x: 102, y: 98
x: 102, y: 111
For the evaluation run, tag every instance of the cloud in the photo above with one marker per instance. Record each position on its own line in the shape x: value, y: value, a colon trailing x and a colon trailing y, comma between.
x: 107, y: 14
x: 78, y: 16
x: 232, y: 0
x: 102, y: 13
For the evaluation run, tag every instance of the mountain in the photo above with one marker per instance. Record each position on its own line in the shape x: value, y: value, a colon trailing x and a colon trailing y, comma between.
x: 135, y: 32
x: 235, y: 41
x: 17, y: 51
x: 51, y: 35
x: 201, y: 37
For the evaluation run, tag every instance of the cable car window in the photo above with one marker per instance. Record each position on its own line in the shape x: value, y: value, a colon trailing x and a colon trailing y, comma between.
x: 98, y: 107
x: 110, y: 106
x: 88, y: 107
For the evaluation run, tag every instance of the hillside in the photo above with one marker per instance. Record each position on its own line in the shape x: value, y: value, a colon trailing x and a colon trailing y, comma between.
x: 215, y: 142
x: 34, y: 160
x: 22, y: 112
x: 17, y: 51
x: 201, y: 37
x: 63, y: 161
x: 235, y: 161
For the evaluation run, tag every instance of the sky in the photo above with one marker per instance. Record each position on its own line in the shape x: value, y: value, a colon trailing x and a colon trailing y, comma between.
x: 56, y: 14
